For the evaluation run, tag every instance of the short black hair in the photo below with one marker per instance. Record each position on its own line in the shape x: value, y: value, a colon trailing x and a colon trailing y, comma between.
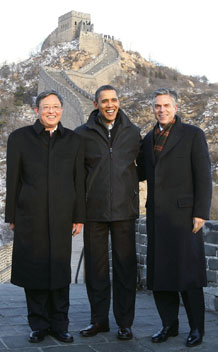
x: 45, y: 94
x: 105, y: 87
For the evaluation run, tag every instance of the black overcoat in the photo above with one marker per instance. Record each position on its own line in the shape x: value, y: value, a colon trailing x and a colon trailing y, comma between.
x: 179, y: 188
x: 112, y: 190
x: 45, y: 195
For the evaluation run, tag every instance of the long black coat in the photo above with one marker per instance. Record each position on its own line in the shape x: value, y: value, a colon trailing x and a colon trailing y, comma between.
x: 179, y: 188
x: 112, y: 192
x: 45, y: 195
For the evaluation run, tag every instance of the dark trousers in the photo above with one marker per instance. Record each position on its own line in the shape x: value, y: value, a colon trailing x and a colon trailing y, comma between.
x: 167, y: 303
x: 124, y: 270
x: 48, y: 309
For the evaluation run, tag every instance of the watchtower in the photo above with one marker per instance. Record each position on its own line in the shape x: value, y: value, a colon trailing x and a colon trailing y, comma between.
x: 70, y: 25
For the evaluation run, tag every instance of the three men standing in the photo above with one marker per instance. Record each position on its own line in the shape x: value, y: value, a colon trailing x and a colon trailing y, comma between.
x: 112, y: 205
x: 175, y: 162
x: 45, y: 201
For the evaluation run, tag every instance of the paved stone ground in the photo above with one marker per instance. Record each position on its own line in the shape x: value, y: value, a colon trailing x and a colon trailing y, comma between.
x: 14, y: 329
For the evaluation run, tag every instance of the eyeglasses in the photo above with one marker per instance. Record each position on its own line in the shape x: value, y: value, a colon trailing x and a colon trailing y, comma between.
x: 51, y: 107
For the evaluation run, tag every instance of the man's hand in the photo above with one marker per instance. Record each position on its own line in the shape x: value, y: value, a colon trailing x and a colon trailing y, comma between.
x: 76, y: 228
x: 198, y: 223
x: 12, y: 226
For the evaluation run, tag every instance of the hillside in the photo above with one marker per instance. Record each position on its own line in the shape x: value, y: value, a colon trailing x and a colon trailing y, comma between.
x: 198, y: 100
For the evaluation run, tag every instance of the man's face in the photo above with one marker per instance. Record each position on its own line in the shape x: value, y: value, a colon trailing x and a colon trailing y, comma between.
x: 49, y: 112
x: 108, y: 104
x: 164, y: 109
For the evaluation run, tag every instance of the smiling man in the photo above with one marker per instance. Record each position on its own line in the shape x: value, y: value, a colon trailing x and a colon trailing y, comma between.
x: 45, y: 202
x: 175, y: 162
x: 112, y: 202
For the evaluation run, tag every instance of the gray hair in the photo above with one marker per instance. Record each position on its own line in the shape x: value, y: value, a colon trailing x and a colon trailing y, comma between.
x: 165, y: 91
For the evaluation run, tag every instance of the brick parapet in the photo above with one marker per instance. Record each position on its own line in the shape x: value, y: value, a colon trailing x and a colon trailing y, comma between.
x: 94, y: 61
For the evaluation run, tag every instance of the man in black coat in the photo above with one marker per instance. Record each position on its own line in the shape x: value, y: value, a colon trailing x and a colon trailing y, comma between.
x: 175, y: 162
x: 111, y: 147
x: 45, y: 202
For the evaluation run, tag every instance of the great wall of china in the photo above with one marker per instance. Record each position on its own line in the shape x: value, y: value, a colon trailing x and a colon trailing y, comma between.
x: 77, y: 89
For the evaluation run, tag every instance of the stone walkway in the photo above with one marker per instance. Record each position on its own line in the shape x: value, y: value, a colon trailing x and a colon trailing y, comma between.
x: 14, y: 329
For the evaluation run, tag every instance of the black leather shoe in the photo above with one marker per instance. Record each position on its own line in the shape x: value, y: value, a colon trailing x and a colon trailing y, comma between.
x: 124, y: 334
x: 37, y: 336
x: 194, y: 338
x: 164, y: 333
x: 93, y: 329
x: 63, y: 336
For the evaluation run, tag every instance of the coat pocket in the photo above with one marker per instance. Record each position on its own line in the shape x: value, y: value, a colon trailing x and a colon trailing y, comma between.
x: 185, y: 202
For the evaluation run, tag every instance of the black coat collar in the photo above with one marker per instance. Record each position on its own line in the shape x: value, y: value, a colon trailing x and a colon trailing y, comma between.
x: 174, y: 136
x: 38, y: 127
x: 91, y: 123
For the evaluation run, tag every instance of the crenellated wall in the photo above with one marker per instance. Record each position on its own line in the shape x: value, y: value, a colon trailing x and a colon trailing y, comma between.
x: 90, y: 82
x: 73, y: 114
x: 70, y: 26
x: 211, y: 251
x: 104, y: 67
x: 98, y: 58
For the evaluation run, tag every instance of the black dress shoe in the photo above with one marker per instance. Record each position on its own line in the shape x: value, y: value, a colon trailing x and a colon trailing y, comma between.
x: 194, y: 338
x: 93, y: 329
x: 164, y: 333
x: 37, y: 336
x: 124, y: 334
x: 63, y: 336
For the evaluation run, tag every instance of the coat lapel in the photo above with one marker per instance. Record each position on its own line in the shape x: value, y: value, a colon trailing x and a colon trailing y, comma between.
x: 150, y: 147
x: 175, y: 135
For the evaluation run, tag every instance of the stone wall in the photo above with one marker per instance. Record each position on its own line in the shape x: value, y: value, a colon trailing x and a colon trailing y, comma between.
x: 73, y: 114
x: 77, y: 88
x: 91, y: 42
x: 211, y: 252
x: 5, y: 262
x: 50, y: 40
x: 91, y: 82
x: 70, y: 25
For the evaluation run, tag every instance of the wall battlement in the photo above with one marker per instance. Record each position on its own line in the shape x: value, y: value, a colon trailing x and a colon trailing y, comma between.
x: 210, y: 231
x: 70, y: 25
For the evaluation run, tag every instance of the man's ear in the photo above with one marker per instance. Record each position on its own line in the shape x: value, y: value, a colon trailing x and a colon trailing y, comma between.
x: 36, y: 110
x: 95, y: 104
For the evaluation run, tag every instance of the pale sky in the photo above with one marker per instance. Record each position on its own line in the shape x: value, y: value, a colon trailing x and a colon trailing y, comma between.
x: 179, y: 34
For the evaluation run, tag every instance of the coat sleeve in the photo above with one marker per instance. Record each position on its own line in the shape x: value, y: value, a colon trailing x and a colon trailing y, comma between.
x: 202, y: 179
x: 141, y: 164
x: 79, y: 183
x: 12, y: 178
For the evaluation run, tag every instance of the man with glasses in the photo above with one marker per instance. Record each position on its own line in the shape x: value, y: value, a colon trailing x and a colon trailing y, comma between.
x: 44, y: 204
